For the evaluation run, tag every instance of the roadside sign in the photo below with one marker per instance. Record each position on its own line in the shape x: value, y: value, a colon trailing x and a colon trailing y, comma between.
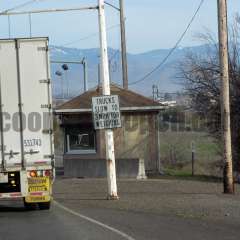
x: 106, y: 112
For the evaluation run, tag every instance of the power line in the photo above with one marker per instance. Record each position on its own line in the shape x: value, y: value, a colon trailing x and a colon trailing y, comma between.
x: 89, y: 36
x: 20, y: 6
x: 113, y: 6
x: 173, y: 49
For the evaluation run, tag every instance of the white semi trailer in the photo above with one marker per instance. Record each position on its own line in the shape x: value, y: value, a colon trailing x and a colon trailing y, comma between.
x: 26, y: 132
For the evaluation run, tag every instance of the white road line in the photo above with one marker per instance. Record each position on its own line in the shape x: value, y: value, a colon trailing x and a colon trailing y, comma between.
x: 122, y: 234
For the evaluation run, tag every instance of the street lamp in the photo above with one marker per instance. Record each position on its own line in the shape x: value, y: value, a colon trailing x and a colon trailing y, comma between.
x: 60, y: 75
x: 85, y: 69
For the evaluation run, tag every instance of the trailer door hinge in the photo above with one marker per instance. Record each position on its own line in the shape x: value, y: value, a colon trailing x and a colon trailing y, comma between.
x: 11, y: 154
x: 48, y: 81
x: 43, y: 48
x: 31, y: 152
x: 51, y: 156
x: 47, y: 131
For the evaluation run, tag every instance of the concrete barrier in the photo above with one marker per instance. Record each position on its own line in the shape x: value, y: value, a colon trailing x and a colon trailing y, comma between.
x: 96, y: 168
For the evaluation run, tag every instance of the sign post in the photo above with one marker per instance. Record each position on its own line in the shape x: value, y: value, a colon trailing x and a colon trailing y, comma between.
x: 109, y: 139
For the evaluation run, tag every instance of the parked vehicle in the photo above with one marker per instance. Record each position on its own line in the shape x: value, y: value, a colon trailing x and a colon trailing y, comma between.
x: 26, y: 135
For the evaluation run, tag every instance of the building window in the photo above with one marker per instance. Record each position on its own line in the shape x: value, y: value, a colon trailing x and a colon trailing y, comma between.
x: 80, y: 141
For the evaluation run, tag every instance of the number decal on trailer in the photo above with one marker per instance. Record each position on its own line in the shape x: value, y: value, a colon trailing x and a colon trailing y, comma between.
x: 33, y: 142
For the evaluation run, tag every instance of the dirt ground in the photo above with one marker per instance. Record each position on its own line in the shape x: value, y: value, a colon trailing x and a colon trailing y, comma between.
x: 181, y: 198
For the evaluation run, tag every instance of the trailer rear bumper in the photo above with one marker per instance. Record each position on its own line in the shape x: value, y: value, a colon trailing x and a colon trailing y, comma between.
x: 11, y: 195
x: 32, y: 197
x: 34, y: 189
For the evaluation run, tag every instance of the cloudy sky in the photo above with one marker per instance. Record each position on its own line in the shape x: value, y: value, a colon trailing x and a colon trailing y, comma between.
x: 151, y: 24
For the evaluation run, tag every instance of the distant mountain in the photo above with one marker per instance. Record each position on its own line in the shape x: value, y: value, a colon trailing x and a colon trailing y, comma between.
x: 138, y: 66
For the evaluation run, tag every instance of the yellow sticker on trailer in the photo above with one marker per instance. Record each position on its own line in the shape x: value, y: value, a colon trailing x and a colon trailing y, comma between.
x: 38, y: 184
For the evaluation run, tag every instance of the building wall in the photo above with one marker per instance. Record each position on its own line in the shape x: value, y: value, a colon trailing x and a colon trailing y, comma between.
x: 136, y: 139
x: 58, y: 142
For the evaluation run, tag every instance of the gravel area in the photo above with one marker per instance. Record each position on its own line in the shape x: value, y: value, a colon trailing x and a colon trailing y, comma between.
x: 182, y: 198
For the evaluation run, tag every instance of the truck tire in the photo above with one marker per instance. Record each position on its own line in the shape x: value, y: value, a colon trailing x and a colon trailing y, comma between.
x: 29, y: 206
x: 44, y: 205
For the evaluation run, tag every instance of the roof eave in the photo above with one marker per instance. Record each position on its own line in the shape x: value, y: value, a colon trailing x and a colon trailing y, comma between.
x: 123, y: 109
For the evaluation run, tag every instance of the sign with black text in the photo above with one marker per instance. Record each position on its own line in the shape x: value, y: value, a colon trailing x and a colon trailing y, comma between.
x: 106, y: 112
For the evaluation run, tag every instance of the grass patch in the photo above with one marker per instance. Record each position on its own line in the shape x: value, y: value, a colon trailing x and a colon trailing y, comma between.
x: 184, y: 175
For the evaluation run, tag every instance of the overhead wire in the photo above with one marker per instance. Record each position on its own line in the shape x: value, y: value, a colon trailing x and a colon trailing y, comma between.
x: 15, y: 8
x: 96, y: 34
x: 19, y: 6
x: 173, y: 49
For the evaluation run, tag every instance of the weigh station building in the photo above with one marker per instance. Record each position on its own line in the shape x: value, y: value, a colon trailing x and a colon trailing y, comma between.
x: 80, y: 138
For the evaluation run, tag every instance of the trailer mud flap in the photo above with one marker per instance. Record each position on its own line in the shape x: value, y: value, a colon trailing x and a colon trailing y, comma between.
x: 37, y: 199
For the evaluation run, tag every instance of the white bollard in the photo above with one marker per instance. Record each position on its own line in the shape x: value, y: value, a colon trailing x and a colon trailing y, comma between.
x: 141, y: 170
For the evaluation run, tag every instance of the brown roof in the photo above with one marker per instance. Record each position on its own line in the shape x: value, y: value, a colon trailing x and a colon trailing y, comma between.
x: 127, y: 98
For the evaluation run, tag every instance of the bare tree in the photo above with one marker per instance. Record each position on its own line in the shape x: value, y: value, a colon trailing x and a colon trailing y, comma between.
x: 200, y: 73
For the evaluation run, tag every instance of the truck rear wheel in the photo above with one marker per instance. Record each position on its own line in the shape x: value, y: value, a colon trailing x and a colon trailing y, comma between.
x: 44, y: 205
x: 29, y: 206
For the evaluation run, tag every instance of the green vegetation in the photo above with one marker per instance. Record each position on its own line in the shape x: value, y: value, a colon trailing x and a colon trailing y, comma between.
x: 179, y: 129
x: 186, y: 175
x: 176, y: 153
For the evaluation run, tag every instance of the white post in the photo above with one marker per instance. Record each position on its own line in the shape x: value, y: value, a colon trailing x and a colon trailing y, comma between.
x: 110, y: 155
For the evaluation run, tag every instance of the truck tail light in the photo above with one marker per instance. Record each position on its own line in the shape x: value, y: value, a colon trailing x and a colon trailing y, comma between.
x: 40, y: 173
x: 33, y: 174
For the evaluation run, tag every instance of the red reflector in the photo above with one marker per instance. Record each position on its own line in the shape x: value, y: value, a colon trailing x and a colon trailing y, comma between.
x: 36, y: 194
x: 47, y: 173
x: 15, y: 194
x: 40, y: 162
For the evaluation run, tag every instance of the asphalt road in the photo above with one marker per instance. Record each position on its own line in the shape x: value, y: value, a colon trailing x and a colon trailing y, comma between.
x: 18, y: 224
x: 71, y: 223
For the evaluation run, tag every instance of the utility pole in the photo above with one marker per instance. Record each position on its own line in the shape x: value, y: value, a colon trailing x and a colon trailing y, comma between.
x: 225, y: 103
x: 123, y: 45
x: 109, y: 139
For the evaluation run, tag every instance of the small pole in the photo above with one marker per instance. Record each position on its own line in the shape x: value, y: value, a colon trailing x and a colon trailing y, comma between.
x: 123, y: 45
x: 62, y: 83
x: 154, y: 91
x: 84, y: 63
x: 30, y: 24
x: 109, y: 139
x: 110, y: 73
x: 228, y: 183
x: 159, y: 142
x: 193, y: 157
x: 66, y: 74
x: 9, y: 26
x: 99, y: 75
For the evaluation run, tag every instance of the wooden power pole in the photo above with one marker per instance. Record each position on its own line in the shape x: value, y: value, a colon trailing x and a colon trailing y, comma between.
x: 225, y: 102
x: 123, y: 46
x: 109, y: 139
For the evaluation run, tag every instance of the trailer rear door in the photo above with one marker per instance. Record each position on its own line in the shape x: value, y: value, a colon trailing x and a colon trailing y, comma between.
x: 26, y: 97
